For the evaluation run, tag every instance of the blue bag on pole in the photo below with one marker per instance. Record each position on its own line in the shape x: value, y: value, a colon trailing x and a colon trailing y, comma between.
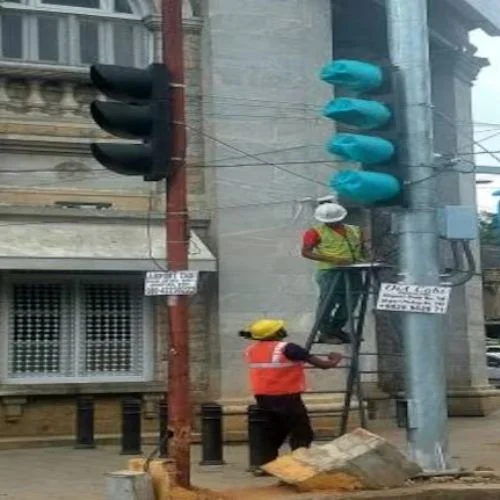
x: 365, y: 187
x: 361, y: 148
x: 358, y: 112
x: 355, y: 75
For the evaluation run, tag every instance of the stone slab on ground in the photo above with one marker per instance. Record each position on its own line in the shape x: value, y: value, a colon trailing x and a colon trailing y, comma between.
x: 431, y: 492
x: 357, y: 460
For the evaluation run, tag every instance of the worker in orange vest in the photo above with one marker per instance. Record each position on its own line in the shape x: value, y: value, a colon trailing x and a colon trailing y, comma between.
x: 277, y: 379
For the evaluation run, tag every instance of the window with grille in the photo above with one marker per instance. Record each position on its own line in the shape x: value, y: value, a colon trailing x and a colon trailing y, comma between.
x: 74, y: 32
x: 76, y: 330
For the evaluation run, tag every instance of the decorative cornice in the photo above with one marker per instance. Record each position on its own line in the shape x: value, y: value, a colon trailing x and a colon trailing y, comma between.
x: 463, y: 64
x: 468, y: 66
x: 193, y: 24
x: 190, y: 24
x: 24, y: 132
x: 48, y: 72
x: 198, y: 220
x: 152, y: 22
x: 44, y: 146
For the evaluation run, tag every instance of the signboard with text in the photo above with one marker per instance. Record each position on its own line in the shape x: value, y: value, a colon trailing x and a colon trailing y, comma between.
x: 413, y: 298
x: 171, y: 283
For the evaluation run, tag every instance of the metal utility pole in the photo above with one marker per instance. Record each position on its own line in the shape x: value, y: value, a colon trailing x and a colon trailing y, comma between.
x: 178, y: 390
x: 423, y: 334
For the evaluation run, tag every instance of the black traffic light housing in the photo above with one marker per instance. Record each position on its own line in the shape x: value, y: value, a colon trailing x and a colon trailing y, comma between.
x: 388, y: 92
x: 391, y: 94
x: 140, y: 109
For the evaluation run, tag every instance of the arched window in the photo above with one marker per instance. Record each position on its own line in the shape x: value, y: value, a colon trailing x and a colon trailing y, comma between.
x: 74, y: 32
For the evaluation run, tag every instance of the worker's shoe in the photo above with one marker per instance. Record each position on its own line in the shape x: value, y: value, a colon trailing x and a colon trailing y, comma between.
x: 334, y: 338
x: 260, y: 473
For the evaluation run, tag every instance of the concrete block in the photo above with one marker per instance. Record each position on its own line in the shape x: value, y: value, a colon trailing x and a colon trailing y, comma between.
x: 357, y: 460
x: 129, y: 485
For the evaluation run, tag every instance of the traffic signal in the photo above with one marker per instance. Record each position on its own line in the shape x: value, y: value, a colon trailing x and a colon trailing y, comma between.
x: 139, y: 109
x: 372, y: 107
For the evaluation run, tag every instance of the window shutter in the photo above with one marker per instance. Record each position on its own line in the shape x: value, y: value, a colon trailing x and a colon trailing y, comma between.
x: 39, y: 339
x: 111, y: 330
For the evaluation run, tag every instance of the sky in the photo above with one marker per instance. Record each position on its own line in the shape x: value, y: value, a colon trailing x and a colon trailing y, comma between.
x: 486, y: 116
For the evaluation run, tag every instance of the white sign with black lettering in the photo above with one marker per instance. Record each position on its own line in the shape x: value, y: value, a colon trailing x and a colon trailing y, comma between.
x: 413, y: 298
x: 171, y: 283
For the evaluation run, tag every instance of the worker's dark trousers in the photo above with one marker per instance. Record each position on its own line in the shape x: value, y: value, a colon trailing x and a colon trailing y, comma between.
x: 335, y: 319
x: 287, y: 417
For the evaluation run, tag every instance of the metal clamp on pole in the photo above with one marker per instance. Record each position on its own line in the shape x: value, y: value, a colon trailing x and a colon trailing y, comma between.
x: 131, y: 426
x: 84, y: 423
x: 259, y: 452
x: 212, y: 448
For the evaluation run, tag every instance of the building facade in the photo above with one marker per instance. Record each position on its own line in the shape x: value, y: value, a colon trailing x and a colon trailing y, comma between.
x: 76, y: 240
x: 454, y: 67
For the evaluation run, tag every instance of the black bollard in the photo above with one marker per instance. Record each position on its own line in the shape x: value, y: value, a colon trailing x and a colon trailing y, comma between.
x: 402, y: 413
x: 84, y: 423
x: 131, y: 426
x: 211, y: 434
x: 259, y: 449
x: 165, y: 434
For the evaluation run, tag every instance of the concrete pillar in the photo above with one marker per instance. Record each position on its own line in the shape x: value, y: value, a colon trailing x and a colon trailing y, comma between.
x: 263, y: 94
x: 453, y: 74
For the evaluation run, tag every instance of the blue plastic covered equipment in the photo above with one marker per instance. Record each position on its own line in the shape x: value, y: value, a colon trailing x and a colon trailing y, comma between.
x: 365, y: 187
x: 361, y: 148
x: 355, y: 75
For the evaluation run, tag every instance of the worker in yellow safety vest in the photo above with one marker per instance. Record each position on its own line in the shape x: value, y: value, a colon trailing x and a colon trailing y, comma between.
x: 277, y: 380
x: 331, y: 244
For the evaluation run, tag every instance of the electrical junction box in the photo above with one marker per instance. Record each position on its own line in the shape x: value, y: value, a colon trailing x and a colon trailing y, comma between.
x: 458, y: 222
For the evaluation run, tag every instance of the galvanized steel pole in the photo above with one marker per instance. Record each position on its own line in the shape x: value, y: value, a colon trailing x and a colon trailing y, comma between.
x: 423, y: 334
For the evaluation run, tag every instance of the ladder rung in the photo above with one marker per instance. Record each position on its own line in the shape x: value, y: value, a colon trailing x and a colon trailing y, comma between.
x: 325, y: 392
x: 333, y: 368
x: 326, y: 343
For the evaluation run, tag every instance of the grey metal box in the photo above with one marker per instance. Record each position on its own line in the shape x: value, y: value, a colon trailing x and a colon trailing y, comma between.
x: 458, y: 222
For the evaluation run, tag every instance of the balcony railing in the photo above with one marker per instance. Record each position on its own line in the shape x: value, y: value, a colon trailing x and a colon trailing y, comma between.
x: 45, y: 91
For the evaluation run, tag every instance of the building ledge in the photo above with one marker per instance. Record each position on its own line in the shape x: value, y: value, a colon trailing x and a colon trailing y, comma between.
x: 480, y: 14
x: 16, y: 390
x: 198, y: 219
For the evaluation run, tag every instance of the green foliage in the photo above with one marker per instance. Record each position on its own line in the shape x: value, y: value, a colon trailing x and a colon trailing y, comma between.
x: 489, y: 233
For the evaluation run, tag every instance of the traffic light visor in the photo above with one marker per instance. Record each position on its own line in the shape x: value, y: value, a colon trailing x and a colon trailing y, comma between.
x: 355, y: 75
x: 365, y: 187
x: 120, y: 82
x: 358, y: 112
x: 124, y: 159
x: 361, y: 148
x: 128, y: 121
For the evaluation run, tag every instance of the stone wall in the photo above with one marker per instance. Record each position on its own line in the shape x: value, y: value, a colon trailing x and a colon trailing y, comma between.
x: 49, y: 410
x: 262, y: 94
x: 45, y: 122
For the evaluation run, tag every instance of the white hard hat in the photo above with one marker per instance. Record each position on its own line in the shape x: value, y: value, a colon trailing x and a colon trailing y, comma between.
x: 328, y: 213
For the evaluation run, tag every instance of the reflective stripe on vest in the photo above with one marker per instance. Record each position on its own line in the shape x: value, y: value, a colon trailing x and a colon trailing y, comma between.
x: 271, y: 373
x: 335, y: 245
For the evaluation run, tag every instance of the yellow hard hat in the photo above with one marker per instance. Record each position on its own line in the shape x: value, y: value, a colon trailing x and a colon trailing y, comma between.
x: 265, y: 328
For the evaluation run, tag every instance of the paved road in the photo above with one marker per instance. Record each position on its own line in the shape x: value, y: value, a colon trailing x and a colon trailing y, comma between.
x: 68, y: 474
